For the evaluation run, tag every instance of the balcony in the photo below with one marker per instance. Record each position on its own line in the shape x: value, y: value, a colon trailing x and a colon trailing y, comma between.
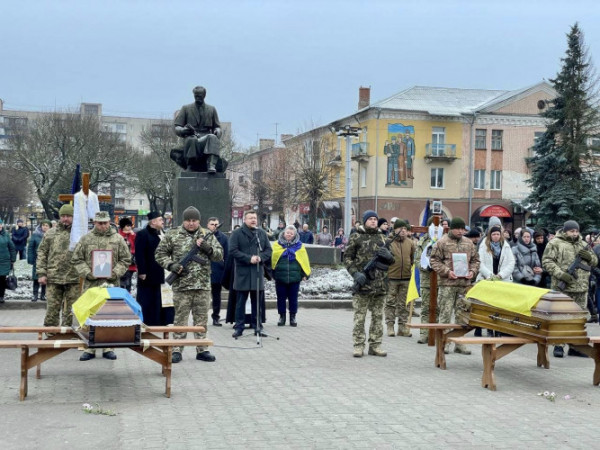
x: 440, y: 152
x: 359, y: 151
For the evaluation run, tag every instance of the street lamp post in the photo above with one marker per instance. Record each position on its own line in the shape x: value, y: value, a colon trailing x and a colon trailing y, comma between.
x: 348, y: 132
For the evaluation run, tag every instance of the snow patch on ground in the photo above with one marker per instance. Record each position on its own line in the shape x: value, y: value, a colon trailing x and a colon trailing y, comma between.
x: 323, y: 283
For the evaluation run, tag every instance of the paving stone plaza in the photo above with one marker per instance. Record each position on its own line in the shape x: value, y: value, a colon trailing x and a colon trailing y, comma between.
x: 304, y: 390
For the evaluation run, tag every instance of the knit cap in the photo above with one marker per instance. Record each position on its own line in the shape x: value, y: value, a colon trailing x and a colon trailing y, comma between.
x: 368, y: 214
x: 400, y: 224
x: 191, y: 213
x: 456, y: 223
x: 65, y: 210
x: 570, y: 225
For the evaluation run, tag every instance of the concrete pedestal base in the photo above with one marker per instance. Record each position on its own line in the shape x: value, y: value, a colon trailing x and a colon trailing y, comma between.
x: 207, y: 192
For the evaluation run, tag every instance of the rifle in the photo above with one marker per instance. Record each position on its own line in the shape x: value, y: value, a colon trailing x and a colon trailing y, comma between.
x: 192, y: 255
x: 372, y: 266
x: 577, y: 264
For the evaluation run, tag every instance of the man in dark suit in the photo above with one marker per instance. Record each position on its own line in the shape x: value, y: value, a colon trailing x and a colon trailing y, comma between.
x: 217, y: 270
x: 251, y: 250
x: 198, y: 123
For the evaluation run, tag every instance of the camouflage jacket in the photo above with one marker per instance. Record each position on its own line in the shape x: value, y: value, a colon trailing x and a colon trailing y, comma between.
x: 173, y: 248
x: 424, y: 274
x: 97, y: 240
x: 360, y: 250
x: 558, y: 256
x: 54, y: 257
x: 441, y: 258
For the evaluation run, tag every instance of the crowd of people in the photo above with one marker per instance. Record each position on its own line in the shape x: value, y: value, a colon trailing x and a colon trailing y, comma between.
x: 461, y: 258
x: 241, y: 262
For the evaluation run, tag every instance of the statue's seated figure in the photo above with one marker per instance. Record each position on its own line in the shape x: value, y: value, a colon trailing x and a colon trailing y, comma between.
x: 198, y: 124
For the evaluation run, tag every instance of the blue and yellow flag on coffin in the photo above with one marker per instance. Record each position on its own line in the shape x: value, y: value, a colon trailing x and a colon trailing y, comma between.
x: 414, y: 285
x: 94, y: 298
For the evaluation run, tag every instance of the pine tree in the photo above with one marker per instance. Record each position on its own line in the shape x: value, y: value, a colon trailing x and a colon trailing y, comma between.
x: 563, y: 171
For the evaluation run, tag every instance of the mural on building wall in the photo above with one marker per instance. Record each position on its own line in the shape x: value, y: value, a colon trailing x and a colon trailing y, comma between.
x: 400, y: 151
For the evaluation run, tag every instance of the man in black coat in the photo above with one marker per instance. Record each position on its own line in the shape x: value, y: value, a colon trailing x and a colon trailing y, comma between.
x: 217, y: 269
x: 150, y: 275
x: 250, y: 248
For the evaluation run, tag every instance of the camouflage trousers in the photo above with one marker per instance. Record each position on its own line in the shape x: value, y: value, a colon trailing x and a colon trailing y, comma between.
x: 60, y: 297
x: 581, y: 299
x: 361, y: 304
x: 425, y: 298
x: 449, y: 300
x: 395, y: 303
x: 196, y: 302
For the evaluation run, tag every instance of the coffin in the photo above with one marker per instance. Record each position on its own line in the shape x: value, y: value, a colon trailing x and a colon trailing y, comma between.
x: 114, y: 325
x: 555, y: 319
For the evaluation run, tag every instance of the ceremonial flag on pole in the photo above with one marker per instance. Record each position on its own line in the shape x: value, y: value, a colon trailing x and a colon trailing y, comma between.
x: 76, y: 186
x: 413, y: 285
x: 426, y: 214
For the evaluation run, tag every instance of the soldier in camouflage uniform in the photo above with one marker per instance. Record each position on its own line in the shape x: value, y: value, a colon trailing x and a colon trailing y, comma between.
x: 425, y: 282
x: 362, y: 247
x: 102, y: 237
x: 54, y: 269
x: 192, y: 290
x: 558, y: 256
x: 451, y: 288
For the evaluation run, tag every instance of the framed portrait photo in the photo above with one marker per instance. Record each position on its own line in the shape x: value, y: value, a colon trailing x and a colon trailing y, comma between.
x: 102, y: 263
x: 460, y: 264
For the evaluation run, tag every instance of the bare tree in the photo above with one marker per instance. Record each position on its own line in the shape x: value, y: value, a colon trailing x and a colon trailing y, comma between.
x: 155, y: 173
x: 312, y: 172
x: 13, y: 193
x: 49, y: 147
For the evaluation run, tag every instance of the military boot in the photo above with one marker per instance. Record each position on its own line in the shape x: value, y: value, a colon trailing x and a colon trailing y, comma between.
x: 404, y: 331
x: 358, y: 351
x: 460, y: 348
x: 376, y: 351
x: 212, y: 163
x: 390, y: 330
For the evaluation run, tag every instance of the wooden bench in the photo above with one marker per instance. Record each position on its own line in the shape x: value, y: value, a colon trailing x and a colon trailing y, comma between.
x: 152, y: 346
x: 494, y: 348
x: 443, y: 331
x: 593, y: 352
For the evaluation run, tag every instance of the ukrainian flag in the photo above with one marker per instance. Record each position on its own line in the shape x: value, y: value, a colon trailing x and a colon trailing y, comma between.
x: 94, y: 298
x: 413, y: 286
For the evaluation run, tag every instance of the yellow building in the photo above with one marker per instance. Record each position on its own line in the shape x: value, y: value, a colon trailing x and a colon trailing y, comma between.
x: 465, y: 147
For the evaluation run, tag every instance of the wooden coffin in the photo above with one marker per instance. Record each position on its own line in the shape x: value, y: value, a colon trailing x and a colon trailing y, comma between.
x: 555, y: 319
x: 121, y: 327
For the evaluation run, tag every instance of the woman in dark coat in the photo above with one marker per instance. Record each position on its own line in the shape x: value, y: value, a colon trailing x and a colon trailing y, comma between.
x: 32, y: 248
x: 290, y: 266
x: 20, y: 234
x: 528, y: 268
x: 8, y: 255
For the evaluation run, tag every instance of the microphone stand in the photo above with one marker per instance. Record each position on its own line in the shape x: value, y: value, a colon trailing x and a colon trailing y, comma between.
x: 258, y: 330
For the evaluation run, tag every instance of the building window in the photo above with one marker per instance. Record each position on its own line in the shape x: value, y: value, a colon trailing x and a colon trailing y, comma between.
x: 92, y: 110
x: 438, y: 141
x: 437, y: 178
x: 363, y: 177
x: 479, y: 182
x: 338, y: 151
x: 496, y: 180
x: 496, y: 139
x: 480, y: 139
x: 141, y: 202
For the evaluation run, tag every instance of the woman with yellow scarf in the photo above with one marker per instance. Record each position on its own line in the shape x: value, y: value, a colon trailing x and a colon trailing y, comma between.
x: 290, y: 266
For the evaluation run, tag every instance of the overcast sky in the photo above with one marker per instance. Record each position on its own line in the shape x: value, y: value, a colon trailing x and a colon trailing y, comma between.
x: 294, y: 63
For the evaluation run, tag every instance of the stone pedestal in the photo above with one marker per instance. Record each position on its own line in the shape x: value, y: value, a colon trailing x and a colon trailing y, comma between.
x: 207, y: 192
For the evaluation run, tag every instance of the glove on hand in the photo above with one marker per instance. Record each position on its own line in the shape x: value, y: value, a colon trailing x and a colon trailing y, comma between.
x: 90, y: 277
x: 175, y: 268
x: 360, y: 278
x: 566, y: 278
x: 585, y: 254
x: 206, y: 248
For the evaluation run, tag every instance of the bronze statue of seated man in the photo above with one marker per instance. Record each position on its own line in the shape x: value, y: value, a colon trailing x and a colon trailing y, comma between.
x: 198, y: 124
